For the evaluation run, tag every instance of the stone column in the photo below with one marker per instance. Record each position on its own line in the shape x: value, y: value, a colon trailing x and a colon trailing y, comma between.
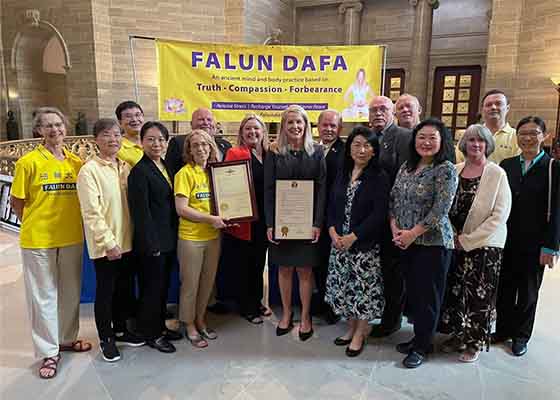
x: 352, y: 18
x: 417, y: 80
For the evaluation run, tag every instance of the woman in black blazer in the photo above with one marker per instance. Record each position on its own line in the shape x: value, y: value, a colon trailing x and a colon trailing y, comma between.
x: 357, y: 216
x: 152, y: 207
x: 533, y: 237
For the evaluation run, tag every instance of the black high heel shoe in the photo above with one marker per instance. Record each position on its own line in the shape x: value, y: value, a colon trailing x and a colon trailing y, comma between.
x: 355, y: 352
x: 303, y: 336
x: 286, y: 330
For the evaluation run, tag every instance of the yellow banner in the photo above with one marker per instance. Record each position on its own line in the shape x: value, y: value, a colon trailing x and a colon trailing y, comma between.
x: 233, y: 80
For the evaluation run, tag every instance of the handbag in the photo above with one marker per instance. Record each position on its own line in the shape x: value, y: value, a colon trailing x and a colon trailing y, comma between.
x: 555, y: 259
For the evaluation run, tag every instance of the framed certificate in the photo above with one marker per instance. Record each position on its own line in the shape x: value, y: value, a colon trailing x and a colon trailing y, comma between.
x: 293, y: 217
x: 232, y: 193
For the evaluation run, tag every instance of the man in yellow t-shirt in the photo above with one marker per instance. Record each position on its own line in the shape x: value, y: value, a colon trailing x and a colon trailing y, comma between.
x: 131, y: 119
x: 495, y: 107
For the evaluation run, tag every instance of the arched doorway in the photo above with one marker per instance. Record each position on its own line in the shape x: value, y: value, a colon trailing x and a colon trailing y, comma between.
x: 39, y: 64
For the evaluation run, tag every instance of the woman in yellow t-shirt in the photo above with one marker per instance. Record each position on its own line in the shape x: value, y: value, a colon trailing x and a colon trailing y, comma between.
x: 198, y: 247
x: 44, y: 198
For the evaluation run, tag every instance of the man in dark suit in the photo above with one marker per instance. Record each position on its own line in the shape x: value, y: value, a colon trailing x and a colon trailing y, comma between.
x: 329, y: 125
x: 393, y: 151
x: 202, y: 118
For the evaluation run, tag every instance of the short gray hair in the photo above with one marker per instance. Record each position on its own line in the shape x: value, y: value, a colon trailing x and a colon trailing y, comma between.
x: 330, y: 110
x: 482, y: 132
x: 38, y: 118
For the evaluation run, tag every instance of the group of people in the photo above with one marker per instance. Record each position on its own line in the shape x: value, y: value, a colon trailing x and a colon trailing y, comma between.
x: 397, y: 227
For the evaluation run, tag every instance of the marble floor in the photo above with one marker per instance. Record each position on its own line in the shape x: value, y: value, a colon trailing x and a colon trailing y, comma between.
x: 250, y: 362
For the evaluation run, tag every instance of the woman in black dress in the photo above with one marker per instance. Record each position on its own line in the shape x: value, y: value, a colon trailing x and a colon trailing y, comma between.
x: 295, y: 158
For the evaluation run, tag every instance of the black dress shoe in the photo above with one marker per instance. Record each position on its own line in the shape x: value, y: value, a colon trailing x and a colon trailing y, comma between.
x: 414, y: 359
x: 518, y: 348
x: 379, y: 331
x: 303, y: 336
x: 161, y: 344
x: 340, y: 341
x: 172, y: 336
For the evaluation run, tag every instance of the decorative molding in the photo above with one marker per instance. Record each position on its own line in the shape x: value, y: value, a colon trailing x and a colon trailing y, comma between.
x: 433, y: 3
x: 355, y: 6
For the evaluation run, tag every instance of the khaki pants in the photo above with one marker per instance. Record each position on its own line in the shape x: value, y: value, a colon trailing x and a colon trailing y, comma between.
x: 198, y: 262
x: 53, y: 282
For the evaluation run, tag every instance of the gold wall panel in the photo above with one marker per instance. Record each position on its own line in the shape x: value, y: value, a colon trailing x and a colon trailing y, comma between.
x: 465, y: 81
x: 464, y: 94
x: 449, y: 81
x: 463, y: 108
x: 461, y: 121
x: 395, y: 83
x: 449, y: 95
x: 447, y: 108
x: 447, y: 120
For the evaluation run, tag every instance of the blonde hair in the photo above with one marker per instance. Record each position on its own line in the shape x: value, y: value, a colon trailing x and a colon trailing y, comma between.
x: 38, y: 118
x: 308, y: 143
x: 187, y: 155
x: 253, y: 117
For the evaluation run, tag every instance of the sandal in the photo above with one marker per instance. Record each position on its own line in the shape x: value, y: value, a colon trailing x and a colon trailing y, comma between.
x: 78, y: 346
x: 265, y: 311
x: 469, y: 355
x: 50, y: 364
x: 208, y: 333
x: 253, y: 318
x: 197, y: 341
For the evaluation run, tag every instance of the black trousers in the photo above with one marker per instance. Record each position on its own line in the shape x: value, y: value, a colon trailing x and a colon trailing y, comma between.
x: 393, y: 283
x: 425, y: 272
x: 518, y: 293
x: 112, y: 295
x: 154, y: 275
x: 249, y: 259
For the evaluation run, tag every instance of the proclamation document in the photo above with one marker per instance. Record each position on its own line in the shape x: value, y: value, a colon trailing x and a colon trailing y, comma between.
x: 233, y: 194
x: 294, y: 210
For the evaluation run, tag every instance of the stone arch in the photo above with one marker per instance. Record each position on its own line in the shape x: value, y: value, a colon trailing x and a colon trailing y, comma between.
x: 39, y: 62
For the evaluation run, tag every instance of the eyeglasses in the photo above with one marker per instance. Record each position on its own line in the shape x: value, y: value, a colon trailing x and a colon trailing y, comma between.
x: 138, y: 115
x: 152, y: 140
x: 359, y: 146
x: 530, y: 134
x: 56, y: 125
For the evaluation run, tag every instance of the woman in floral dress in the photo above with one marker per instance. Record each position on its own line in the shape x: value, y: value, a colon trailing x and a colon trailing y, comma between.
x: 479, y: 216
x: 356, y: 219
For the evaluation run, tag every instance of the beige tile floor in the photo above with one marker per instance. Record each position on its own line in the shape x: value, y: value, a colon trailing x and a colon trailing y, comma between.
x: 250, y: 362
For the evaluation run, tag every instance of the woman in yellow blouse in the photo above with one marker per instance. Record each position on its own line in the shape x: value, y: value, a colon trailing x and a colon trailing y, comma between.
x: 198, y: 247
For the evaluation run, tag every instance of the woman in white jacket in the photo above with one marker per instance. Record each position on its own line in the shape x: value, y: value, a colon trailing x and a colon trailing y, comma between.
x: 479, y: 214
